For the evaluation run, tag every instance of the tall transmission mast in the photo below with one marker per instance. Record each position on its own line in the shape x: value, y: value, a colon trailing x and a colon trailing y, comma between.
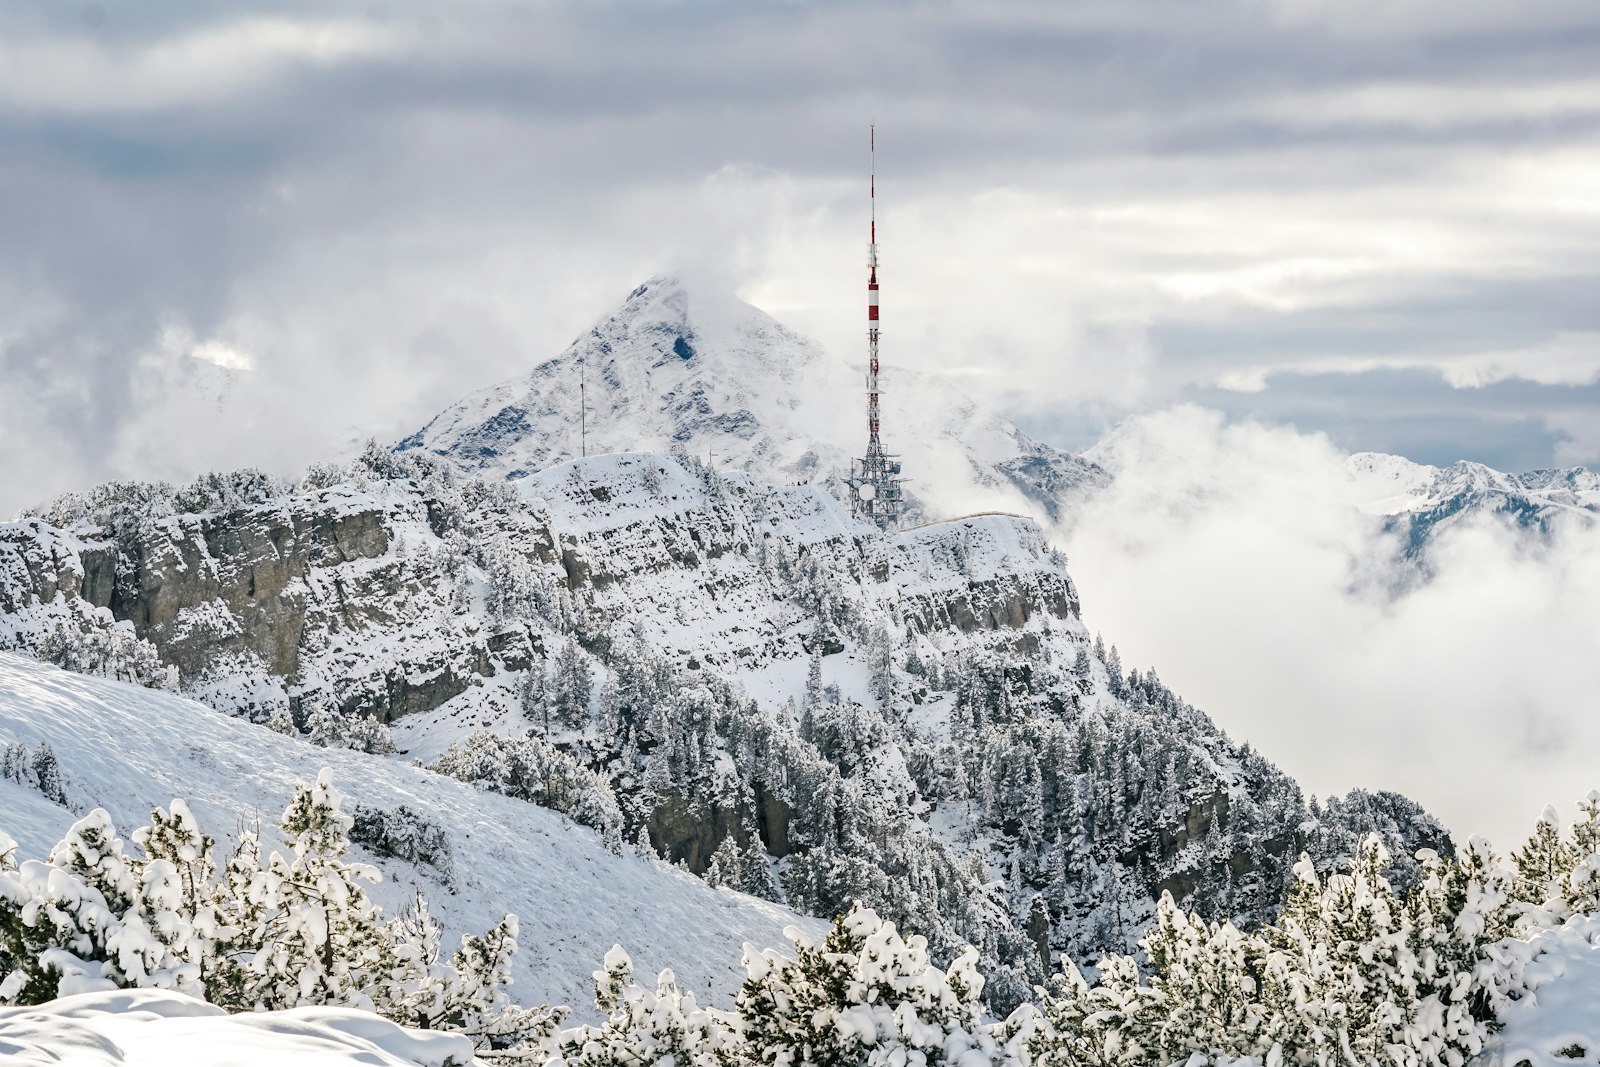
x: 874, y: 478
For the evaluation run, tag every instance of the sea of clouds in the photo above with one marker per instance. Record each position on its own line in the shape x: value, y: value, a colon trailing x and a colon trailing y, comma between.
x: 1233, y: 558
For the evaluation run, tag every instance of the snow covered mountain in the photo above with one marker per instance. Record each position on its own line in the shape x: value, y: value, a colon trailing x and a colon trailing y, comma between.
x: 1417, y: 500
x: 127, y: 749
x: 780, y: 697
x: 722, y: 380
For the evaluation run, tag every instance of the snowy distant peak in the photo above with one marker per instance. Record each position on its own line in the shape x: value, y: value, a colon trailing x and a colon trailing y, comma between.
x: 677, y: 367
x: 1389, y: 485
x: 1417, y: 500
x: 697, y: 330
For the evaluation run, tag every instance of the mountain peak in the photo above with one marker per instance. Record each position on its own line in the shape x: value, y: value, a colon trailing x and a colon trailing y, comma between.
x: 684, y: 363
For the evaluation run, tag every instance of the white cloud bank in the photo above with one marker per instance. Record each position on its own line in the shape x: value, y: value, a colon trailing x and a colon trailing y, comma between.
x: 1231, y: 558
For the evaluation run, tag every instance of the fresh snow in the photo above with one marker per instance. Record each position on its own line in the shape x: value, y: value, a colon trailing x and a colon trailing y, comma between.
x: 128, y: 749
x: 150, y: 1028
x: 1558, y: 1023
x: 1391, y: 485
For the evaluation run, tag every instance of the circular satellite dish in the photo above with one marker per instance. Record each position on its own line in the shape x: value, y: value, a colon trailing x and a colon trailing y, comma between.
x: 866, y: 490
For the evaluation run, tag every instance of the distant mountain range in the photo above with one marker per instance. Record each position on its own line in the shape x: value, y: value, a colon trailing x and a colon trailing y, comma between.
x: 722, y: 380
x: 1419, y: 500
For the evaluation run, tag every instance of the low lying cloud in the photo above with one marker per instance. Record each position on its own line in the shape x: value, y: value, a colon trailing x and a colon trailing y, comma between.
x: 1230, y: 556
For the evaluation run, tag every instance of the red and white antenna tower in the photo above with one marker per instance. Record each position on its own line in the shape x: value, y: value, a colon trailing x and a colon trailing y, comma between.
x: 874, y: 478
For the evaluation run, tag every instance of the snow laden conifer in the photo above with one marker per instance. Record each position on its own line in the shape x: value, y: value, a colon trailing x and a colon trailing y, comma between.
x: 308, y: 933
x: 727, y: 864
x: 1456, y: 917
x: 1335, y: 977
x: 59, y: 915
x: 1544, y: 860
x: 1582, y: 884
x: 534, y: 699
x: 865, y: 994
x: 572, y: 686
x: 1203, y: 995
x: 39, y: 770
x: 644, y: 1028
x: 1352, y: 973
x: 327, y: 728
x: 467, y: 995
x: 283, y: 931
x: 94, y: 916
x: 531, y: 769
x: 169, y: 931
x: 1200, y: 1001
x: 475, y: 1001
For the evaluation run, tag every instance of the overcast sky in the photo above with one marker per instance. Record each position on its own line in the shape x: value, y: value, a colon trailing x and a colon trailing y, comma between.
x: 235, y: 235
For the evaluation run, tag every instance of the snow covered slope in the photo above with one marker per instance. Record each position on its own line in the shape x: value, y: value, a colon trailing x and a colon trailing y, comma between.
x: 128, y: 749
x: 723, y: 380
x: 147, y: 1028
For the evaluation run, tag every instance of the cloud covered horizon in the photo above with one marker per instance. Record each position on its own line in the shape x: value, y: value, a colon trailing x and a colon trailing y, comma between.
x: 253, y: 234
x: 1230, y: 556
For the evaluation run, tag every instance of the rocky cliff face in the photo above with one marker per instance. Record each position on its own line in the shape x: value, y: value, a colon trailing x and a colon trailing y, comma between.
x: 918, y: 719
x: 261, y: 606
x: 370, y: 595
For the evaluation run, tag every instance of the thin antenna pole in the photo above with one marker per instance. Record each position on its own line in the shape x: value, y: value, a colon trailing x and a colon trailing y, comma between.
x: 874, y: 478
x: 873, y: 446
x: 583, y: 408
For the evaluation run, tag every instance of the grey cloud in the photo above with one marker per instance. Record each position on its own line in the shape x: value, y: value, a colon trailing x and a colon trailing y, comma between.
x: 1414, y: 413
x: 390, y: 227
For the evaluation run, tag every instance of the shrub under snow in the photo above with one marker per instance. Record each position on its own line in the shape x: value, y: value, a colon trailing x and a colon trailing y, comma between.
x: 263, y: 933
x: 1481, y: 958
x: 531, y: 769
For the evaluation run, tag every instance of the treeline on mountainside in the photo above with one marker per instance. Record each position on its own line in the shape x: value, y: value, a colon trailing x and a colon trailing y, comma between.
x: 1066, y: 796
x: 1058, y: 804
x: 1353, y: 971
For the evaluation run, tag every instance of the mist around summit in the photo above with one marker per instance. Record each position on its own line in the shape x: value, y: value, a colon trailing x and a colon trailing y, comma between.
x: 440, y: 625
x: 1236, y: 556
x: 717, y: 681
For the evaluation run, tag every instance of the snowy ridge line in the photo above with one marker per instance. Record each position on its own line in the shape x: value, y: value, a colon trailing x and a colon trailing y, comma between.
x: 705, y: 371
x: 963, y: 518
